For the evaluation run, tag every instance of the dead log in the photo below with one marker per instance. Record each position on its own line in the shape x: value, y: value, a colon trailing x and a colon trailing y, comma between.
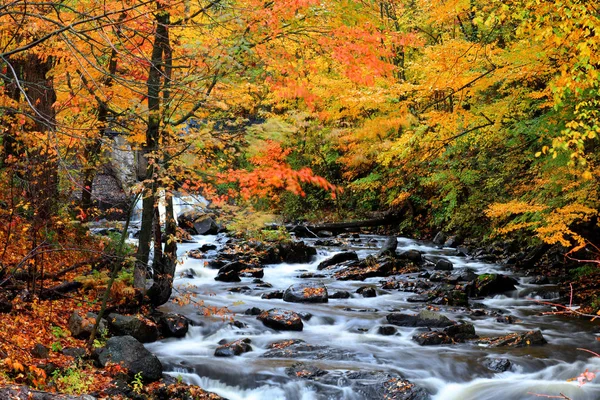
x: 58, y: 290
x: 310, y: 230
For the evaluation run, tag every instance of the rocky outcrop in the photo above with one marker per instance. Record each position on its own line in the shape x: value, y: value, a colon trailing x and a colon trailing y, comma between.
x: 132, y: 354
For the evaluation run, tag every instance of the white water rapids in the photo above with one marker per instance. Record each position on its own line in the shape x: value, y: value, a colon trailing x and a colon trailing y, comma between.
x: 448, y: 372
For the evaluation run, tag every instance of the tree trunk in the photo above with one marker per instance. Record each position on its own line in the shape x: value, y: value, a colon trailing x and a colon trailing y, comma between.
x: 164, y: 270
x: 161, y: 42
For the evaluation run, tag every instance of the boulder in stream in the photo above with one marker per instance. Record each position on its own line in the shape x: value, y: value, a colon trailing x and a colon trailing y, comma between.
x: 490, y: 284
x: 498, y: 364
x: 197, y: 223
x: 282, y: 320
x: 338, y: 258
x: 367, y: 291
x: 173, y: 325
x: 389, y: 247
x: 299, y: 349
x: 368, y: 268
x: 340, y: 294
x: 235, y: 348
x: 306, y: 293
x: 369, y: 384
x: 411, y: 255
x: 443, y: 265
x: 519, y: 339
x: 425, y: 318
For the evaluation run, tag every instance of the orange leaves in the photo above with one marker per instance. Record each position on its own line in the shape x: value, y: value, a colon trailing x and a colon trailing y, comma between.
x: 270, y: 174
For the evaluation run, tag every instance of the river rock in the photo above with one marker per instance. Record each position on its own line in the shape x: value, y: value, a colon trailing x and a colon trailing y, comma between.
x: 520, y: 339
x: 340, y: 294
x: 443, y: 265
x: 306, y: 293
x: 253, y: 311
x: 425, y: 318
x: 461, y: 332
x: 452, y: 241
x: 234, y: 348
x: 490, y: 284
x: 296, y: 252
x: 367, y: 291
x: 275, y: 294
x: 389, y: 247
x: 369, y: 384
x: 498, y: 364
x: 440, y: 238
x: 368, y: 268
x: 129, y: 352
x: 81, y: 327
x: 174, y: 325
x: 139, y: 327
x: 299, y: 349
x: 338, y: 258
x: 283, y: 320
x: 432, y: 338
x: 411, y: 255
x: 252, y: 273
x: 304, y: 371
x: 386, y: 330
x: 197, y: 223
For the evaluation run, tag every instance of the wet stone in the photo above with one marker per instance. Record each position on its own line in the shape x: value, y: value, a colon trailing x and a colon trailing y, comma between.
x: 306, y: 293
x: 443, y: 265
x: 276, y: 294
x: 233, y: 348
x: 432, y: 338
x: 253, y: 311
x: 386, y: 330
x: 524, y: 339
x: 341, y: 294
x: 283, y: 320
x: 498, y: 364
x: 337, y: 259
x: 367, y: 291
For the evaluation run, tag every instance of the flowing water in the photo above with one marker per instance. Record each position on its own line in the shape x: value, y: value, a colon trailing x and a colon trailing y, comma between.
x: 448, y: 372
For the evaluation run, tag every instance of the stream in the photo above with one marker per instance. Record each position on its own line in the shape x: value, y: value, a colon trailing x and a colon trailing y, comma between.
x: 350, y: 329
